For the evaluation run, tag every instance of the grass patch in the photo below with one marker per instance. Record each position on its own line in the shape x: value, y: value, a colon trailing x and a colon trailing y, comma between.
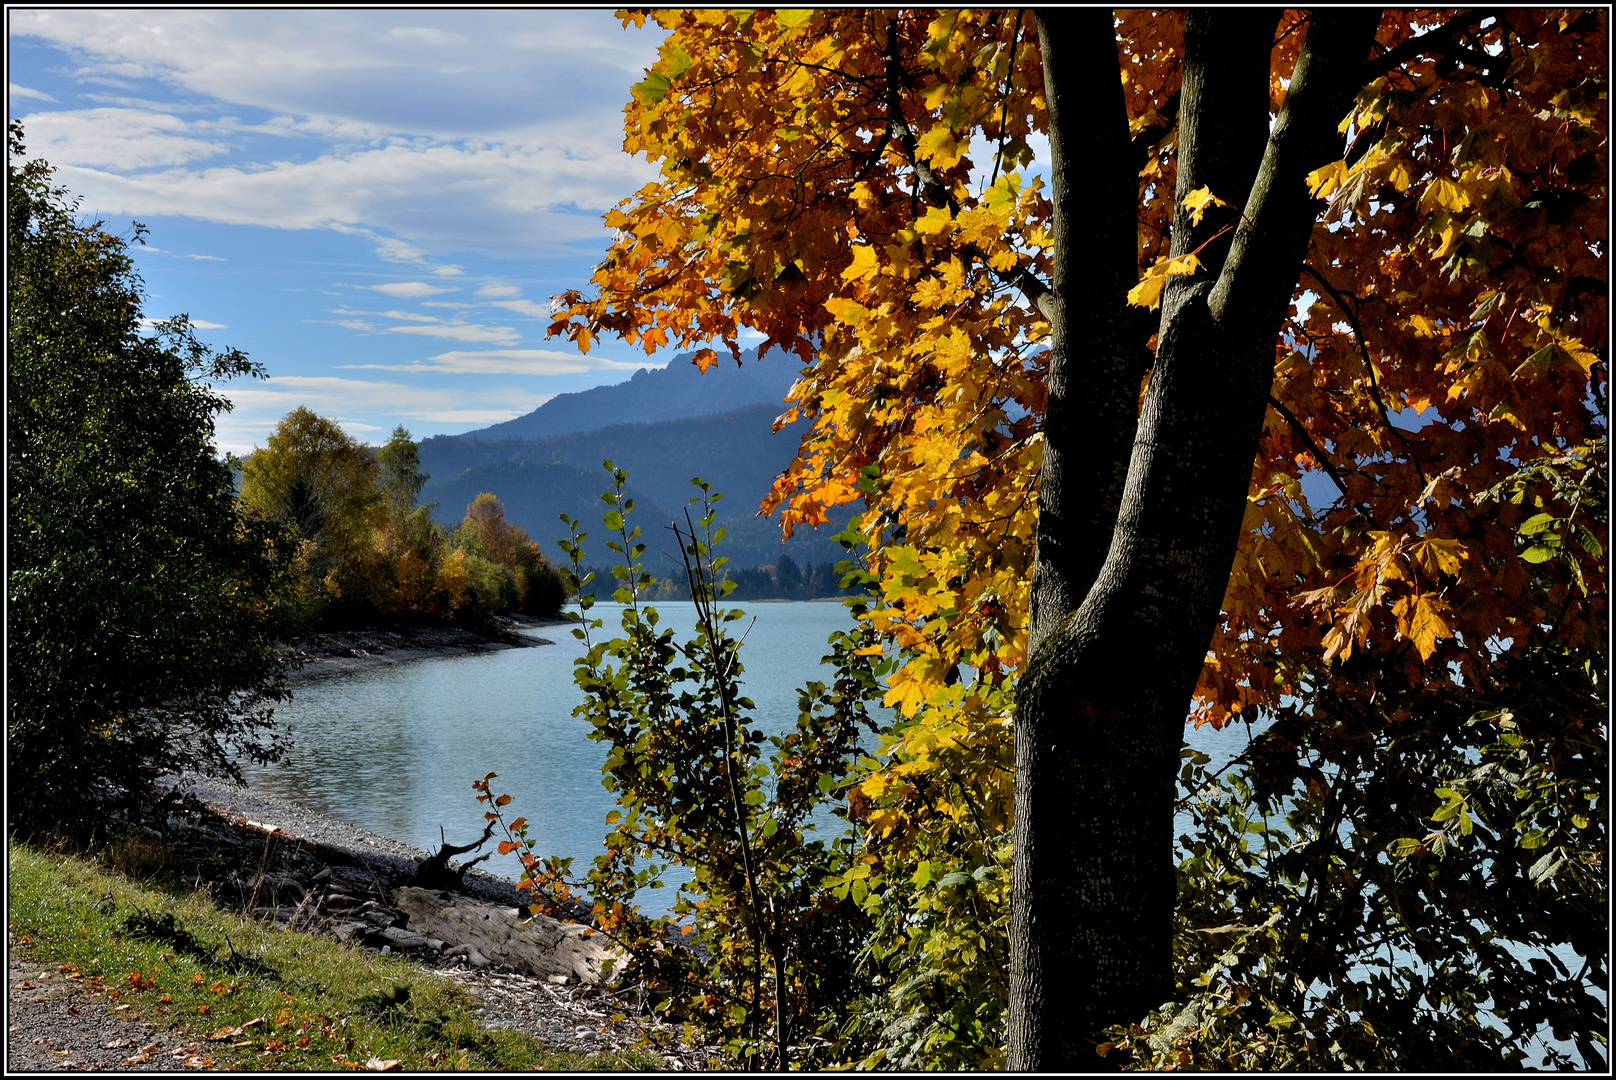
x: 256, y: 995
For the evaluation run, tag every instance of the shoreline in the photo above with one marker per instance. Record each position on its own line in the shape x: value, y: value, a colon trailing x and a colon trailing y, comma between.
x: 240, y: 805
x: 338, y: 652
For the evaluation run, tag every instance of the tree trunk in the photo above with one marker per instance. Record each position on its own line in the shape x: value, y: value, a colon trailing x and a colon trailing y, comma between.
x: 1117, y: 647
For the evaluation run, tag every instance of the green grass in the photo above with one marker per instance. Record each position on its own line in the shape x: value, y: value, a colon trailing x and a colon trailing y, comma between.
x: 177, y: 960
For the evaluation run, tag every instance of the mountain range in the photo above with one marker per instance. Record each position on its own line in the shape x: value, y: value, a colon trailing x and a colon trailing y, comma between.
x: 652, y: 394
x: 663, y: 427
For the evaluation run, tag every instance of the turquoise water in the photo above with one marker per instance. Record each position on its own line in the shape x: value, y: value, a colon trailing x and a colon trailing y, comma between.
x: 395, y: 749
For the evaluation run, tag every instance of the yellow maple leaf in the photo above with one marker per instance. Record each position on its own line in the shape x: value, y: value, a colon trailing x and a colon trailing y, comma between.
x: 1420, y: 620
x: 935, y: 222
x: 1442, y: 194
x: 1198, y: 201
x: 1438, y: 556
x: 863, y: 266
x: 1324, y: 180
x: 1148, y: 292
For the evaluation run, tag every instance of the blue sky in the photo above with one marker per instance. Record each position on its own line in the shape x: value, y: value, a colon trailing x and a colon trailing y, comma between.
x: 375, y: 205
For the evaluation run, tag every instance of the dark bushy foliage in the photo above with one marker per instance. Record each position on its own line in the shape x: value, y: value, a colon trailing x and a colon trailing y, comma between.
x: 142, y: 608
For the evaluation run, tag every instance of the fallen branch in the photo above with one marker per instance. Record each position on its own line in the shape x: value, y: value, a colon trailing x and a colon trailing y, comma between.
x: 434, y: 873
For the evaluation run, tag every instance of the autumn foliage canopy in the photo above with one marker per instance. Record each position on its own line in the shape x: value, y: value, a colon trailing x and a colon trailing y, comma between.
x: 864, y: 189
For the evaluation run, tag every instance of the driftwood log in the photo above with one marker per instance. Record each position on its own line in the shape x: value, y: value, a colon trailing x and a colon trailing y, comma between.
x: 434, y: 872
x: 487, y: 933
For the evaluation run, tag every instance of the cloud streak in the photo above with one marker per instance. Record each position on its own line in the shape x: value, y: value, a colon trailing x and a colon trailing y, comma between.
x: 531, y: 362
x: 362, y: 407
x: 494, y: 132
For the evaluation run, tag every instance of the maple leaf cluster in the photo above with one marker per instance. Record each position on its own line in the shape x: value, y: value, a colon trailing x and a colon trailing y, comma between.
x: 858, y: 187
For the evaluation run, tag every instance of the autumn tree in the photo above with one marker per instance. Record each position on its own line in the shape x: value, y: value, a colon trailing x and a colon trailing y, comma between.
x: 317, y: 480
x: 142, y: 609
x: 1357, y: 249
x: 507, y: 569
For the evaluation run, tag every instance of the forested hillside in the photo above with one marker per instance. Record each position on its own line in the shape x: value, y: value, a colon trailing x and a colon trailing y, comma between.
x: 540, y: 479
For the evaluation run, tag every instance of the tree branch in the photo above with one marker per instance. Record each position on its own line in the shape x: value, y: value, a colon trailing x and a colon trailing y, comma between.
x: 937, y: 192
x: 1312, y: 447
x: 1369, y: 365
x: 1440, y: 40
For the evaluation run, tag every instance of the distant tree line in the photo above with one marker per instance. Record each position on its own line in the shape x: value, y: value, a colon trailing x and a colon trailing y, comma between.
x: 366, y: 552
x: 785, y: 580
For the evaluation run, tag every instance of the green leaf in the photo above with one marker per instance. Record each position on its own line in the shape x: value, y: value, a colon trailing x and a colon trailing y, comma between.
x: 653, y: 89
x: 794, y: 18
x: 1537, y: 554
x: 678, y: 62
x: 754, y: 797
x: 1448, y: 810
x: 1590, y: 543
x: 1537, y: 523
x: 1402, y: 849
x: 1545, y: 867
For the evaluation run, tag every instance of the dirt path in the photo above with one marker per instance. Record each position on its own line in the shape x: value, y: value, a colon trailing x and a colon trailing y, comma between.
x: 56, y: 1024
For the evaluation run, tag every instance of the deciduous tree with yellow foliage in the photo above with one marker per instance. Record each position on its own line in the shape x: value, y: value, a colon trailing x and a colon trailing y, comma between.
x: 1081, y: 398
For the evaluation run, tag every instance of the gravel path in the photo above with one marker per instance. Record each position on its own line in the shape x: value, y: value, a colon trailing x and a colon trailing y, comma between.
x: 53, y: 1024
x: 56, y: 1024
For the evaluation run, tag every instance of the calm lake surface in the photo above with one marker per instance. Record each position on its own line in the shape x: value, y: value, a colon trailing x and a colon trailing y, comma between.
x: 395, y: 749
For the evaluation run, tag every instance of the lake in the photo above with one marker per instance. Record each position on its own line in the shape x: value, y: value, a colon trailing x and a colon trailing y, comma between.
x: 395, y: 749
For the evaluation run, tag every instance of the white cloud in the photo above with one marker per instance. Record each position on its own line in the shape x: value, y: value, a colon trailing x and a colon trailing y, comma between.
x: 115, y: 138
x: 206, y: 258
x: 426, y: 326
x: 361, y: 407
x: 494, y: 200
x: 508, y: 362
x: 493, y: 143
x: 525, y: 307
x: 25, y: 92
x: 196, y: 324
x: 409, y: 316
x: 426, y: 34
x: 460, y: 331
x: 407, y: 288
x: 499, y: 290
x: 449, y: 270
x: 395, y: 250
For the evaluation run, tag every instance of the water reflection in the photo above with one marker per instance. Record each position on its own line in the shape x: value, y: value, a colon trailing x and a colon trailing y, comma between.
x: 395, y: 749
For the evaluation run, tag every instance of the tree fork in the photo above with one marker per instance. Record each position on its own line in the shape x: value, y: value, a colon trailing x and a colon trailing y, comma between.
x: 1096, y: 752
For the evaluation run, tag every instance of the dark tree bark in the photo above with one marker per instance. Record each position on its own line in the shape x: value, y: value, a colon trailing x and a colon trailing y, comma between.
x: 1134, y: 555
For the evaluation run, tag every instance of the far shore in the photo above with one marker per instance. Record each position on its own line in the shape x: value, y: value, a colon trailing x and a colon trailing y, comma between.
x: 342, y: 651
